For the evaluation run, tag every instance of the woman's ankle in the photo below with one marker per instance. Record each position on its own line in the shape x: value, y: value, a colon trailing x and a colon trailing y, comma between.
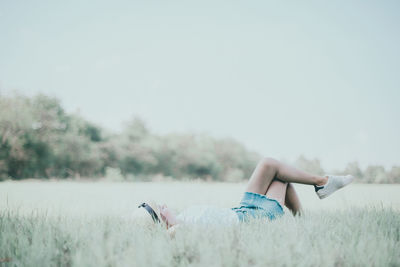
x: 321, y: 180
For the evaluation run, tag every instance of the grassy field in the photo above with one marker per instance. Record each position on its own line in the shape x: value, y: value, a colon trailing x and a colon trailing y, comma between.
x: 89, y: 224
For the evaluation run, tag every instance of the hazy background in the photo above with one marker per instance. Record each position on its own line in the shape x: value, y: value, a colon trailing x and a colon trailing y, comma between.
x: 314, y: 78
x: 119, y: 102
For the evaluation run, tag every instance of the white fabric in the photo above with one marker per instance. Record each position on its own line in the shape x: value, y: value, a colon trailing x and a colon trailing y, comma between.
x: 208, y: 215
x: 334, y: 183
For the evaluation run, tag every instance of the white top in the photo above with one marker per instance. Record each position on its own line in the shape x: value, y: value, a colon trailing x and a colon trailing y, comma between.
x: 208, y: 215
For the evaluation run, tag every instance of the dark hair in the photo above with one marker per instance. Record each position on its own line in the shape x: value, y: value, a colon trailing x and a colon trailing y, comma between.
x: 150, y: 211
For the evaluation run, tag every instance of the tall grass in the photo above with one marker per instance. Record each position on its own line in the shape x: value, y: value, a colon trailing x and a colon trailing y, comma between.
x: 350, y: 237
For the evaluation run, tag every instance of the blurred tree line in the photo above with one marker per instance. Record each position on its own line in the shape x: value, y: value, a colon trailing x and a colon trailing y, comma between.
x: 371, y: 174
x: 38, y: 139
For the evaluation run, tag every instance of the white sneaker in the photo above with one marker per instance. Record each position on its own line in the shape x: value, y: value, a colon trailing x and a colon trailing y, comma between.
x: 334, y: 183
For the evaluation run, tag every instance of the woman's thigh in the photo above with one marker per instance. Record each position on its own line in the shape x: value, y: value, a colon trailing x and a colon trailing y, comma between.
x: 277, y: 191
x: 262, y: 176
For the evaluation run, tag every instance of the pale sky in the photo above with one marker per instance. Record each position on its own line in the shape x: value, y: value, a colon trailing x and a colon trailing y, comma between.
x: 319, y: 78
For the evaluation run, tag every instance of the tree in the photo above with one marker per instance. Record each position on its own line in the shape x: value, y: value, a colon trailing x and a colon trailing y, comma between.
x: 135, y: 149
x: 38, y: 139
x: 394, y: 175
x: 353, y: 168
x: 375, y: 174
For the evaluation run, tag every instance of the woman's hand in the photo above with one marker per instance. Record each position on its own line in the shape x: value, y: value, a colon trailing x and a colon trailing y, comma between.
x: 172, y: 230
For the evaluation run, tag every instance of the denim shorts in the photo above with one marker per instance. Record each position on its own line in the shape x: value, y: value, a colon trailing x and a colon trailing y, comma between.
x: 254, y: 205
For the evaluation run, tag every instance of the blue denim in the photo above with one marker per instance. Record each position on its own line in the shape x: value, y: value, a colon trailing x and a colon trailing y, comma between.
x: 254, y: 205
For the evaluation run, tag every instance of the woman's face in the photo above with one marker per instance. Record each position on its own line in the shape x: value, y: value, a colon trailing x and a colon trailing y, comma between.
x: 167, y: 214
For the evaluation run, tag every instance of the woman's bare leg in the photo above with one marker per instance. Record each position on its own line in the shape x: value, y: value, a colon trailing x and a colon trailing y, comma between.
x: 277, y: 191
x: 292, y: 200
x: 286, y: 195
x: 268, y: 169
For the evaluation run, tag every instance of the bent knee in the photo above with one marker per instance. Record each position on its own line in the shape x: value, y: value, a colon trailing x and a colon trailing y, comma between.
x: 268, y: 162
